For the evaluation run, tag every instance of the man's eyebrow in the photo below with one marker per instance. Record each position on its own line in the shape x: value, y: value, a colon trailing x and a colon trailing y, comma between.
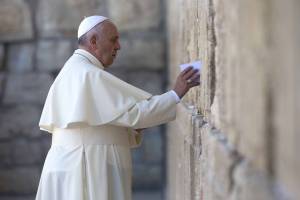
x: 115, y: 37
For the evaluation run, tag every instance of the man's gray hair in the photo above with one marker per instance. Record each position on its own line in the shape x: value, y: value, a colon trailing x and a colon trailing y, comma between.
x: 82, y: 40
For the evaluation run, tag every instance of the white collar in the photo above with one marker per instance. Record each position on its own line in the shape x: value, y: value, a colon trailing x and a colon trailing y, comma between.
x: 90, y: 57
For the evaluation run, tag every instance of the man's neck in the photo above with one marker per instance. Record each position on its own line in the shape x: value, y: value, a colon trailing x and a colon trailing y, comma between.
x: 91, y: 52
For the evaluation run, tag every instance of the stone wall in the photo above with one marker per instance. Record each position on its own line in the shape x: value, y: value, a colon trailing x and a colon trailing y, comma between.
x: 36, y: 38
x: 236, y: 135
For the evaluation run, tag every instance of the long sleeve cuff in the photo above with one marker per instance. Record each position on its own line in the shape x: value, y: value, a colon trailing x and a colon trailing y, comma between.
x: 175, y: 96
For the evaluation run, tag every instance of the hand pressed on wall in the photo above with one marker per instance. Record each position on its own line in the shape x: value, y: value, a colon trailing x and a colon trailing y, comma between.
x: 187, y: 79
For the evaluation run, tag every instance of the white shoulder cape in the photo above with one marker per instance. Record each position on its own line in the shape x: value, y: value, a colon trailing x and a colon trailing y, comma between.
x: 84, y: 94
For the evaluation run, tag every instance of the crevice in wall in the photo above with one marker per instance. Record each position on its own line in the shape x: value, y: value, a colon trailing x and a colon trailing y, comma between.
x: 270, y: 133
x: 3, y: 71
x: 199, y: 123
x: 33, y: 6
x: 238, y: 160
x: 213, y: 44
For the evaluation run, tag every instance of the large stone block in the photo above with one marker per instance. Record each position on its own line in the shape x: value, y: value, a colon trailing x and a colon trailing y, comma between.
x: 224, y: 108
x: 252, y: 82
x: 2, y: 78
x: 250, y: 183
x: 62, y: 17
x: 216, y: 164
x: 141, y: 53
x: 241, y: 65
x: 135, y: 14
x: 20, y: 57
x: 52, y: 54
x: 119, y: 72
x: 19, y: 180
x: 26, y: 152
x: 5, y: 154
x: 17, y: 197
x: 149, y: 81
x: 15, y: 121
x: 284, y: 96
x: 150, y: 150
x: 31, y: 88
x: 147, y: 176
x: 15, y: 20
x: 152, y: 147
x: 1, y: 56
x: 179, y: 154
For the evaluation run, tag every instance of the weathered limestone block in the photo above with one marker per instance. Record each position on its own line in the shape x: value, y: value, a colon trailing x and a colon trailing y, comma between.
x: 135, y: 14
x: 147, y: 160
x: 119, y: 72
x: 2, y: 79
x: 20, y: 57
x: 15, y: 121
x: 152, y: 146
x: 19, y: 180
x: 224, y: 108
x: 174, y: 43
x: 150, y: 81
x: 203, y: 36
x: 189, y: 40
x: 217, y: 161
x: 27, y: 152
x: 146, y: 176
x: 1, y: 56
x: 196, y: 153
x: 250, y: 183
x: 180, y: 148
x: 285, y: 96
x: 15, y: 20
x: 141, y: 53
x: 151, y: 150
x: 175, y: 149
x: 17, y: 197
x: 240, y: 102
x: 5, y: 154
x: 146, y: 80
x: 62, y: 17
x: 52, y: 54
x: 252, y: 91
x: 45, y: 142
x: 31, y: 88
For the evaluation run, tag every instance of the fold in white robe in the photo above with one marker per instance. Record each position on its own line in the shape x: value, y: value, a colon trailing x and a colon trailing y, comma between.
x: 90, y: 156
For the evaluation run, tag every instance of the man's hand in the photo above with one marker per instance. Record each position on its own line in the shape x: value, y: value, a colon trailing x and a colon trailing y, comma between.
x: 187, y: 79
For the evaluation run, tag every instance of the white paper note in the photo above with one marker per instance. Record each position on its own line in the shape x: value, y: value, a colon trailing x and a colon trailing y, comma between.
x: 196, y: 65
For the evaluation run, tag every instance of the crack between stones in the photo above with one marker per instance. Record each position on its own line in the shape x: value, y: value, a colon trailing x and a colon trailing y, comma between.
x: 213, y: 45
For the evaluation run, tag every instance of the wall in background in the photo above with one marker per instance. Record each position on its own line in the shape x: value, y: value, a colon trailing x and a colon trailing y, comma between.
x: 36, y: 38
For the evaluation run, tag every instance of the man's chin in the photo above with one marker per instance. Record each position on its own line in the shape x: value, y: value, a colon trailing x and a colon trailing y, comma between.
x: 108, y: 64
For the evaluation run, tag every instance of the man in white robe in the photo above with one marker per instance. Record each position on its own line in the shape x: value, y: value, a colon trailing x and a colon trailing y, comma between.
x: 95, y: 118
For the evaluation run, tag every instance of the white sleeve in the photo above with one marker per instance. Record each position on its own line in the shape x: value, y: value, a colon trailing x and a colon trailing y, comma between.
x: 157, y: 110
x: 176, y: 96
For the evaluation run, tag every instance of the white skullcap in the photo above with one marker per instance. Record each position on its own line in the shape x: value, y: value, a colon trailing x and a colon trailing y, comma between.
x: 88, y: 23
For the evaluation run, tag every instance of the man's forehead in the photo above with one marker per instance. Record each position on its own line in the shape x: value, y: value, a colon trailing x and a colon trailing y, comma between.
x: 109, y: 27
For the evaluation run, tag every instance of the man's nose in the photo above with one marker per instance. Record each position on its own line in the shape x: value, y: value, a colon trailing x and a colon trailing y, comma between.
x: 118, y: 47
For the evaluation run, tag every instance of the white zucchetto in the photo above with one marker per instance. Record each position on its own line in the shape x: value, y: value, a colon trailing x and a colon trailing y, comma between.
x: 88, y: 23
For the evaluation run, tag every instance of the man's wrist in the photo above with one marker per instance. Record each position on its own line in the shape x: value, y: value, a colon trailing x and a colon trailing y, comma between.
x: 175, y: 96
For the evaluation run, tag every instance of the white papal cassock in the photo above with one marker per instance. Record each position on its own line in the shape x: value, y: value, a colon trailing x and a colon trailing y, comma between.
x: 92, y: 116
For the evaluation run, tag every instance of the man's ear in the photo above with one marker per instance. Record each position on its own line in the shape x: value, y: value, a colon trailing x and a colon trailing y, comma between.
x: 93, y: 41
